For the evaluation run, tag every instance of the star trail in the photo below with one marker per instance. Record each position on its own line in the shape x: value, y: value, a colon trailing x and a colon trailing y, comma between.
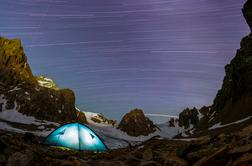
x: 158, y: 55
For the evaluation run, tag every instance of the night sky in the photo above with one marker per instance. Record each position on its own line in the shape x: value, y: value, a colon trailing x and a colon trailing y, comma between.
x: 158, y: 55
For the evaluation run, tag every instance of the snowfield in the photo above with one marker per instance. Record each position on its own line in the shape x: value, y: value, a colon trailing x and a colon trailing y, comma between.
x: 8, y: 116
x: 113, y: 137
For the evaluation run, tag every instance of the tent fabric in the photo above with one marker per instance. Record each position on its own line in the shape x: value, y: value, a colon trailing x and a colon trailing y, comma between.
x: 76, y: 136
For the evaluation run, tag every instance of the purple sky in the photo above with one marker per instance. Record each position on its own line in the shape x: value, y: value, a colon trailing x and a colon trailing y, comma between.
x: 158, y: 55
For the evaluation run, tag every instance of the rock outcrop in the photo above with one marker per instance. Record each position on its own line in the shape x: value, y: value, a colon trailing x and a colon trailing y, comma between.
x: 234, y: 100
x: 99, y: 118
x: 191, y: 118
x: 14, y: 68
x: 135, y: 123
x: 188, y: 118
x: 173, y: 122
x: 26, y: 94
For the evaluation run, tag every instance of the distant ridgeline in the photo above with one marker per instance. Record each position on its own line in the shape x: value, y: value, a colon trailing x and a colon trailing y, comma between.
x: 33, y: 96
x: 233, y: 101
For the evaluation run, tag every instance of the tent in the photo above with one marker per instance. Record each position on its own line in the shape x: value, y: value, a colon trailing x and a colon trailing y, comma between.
x: 76, y: 136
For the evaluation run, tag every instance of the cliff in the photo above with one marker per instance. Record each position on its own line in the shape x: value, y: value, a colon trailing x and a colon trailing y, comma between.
x: 27, y: 94
x: 233, y: 101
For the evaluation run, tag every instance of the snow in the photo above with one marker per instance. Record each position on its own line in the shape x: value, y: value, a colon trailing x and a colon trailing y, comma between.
x: 219, y: 125
x: 200, y: 115
x: 211, y: 116
x: 190, y: 130
x: 183, y: 134
x: 5, y: 126
x: 113, y: 137
x: 14, y: 89
x: 12, y: 115
x: 41, y: 132
x: 46, y: 82
x: 37, y: 89
x: 90, y: 115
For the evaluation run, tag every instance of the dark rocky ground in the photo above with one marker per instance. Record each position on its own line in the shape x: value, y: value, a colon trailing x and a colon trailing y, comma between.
x: 233, y: 149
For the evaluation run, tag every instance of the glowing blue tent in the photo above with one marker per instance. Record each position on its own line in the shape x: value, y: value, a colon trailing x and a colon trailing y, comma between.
x: 76, y: 136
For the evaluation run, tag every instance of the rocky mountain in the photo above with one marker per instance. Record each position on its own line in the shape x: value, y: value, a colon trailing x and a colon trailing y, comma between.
x: 135, y: 123
x: 233, y: 101
x: 217, y: 135
x: 30, y: 95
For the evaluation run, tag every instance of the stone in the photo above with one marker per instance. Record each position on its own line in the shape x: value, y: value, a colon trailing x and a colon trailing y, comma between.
x: 241, y: 149
x: 175, y: 161
x: 188, y: 117
x: 29, y: 137
x: 135, y: 123
x: 243, y: 160
x: 205, y: 159
x: 149, y: 163
x: 3, y: 145
x: 20, y: 159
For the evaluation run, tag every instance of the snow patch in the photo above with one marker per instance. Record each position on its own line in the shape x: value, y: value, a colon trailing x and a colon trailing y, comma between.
x: 14, y: 89
x: 43, y: 133
x: 200, y: 115
x: 219, y: 125
x: 46, y: 82
x: 13, y: 115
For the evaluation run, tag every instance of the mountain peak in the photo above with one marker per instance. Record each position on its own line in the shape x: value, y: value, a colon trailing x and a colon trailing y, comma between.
x: 246, y: 10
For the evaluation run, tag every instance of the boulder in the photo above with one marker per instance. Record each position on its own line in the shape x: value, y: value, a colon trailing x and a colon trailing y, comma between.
x: 135, y: 123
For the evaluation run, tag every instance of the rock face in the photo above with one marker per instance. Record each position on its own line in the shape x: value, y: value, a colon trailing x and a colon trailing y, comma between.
x: 24, y: 92
x: 194, y: 117
x: 234, y: 100
x: 14, y: 68
x: 135, y: 123
x: 188, y: 117
x: 173, y: 122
